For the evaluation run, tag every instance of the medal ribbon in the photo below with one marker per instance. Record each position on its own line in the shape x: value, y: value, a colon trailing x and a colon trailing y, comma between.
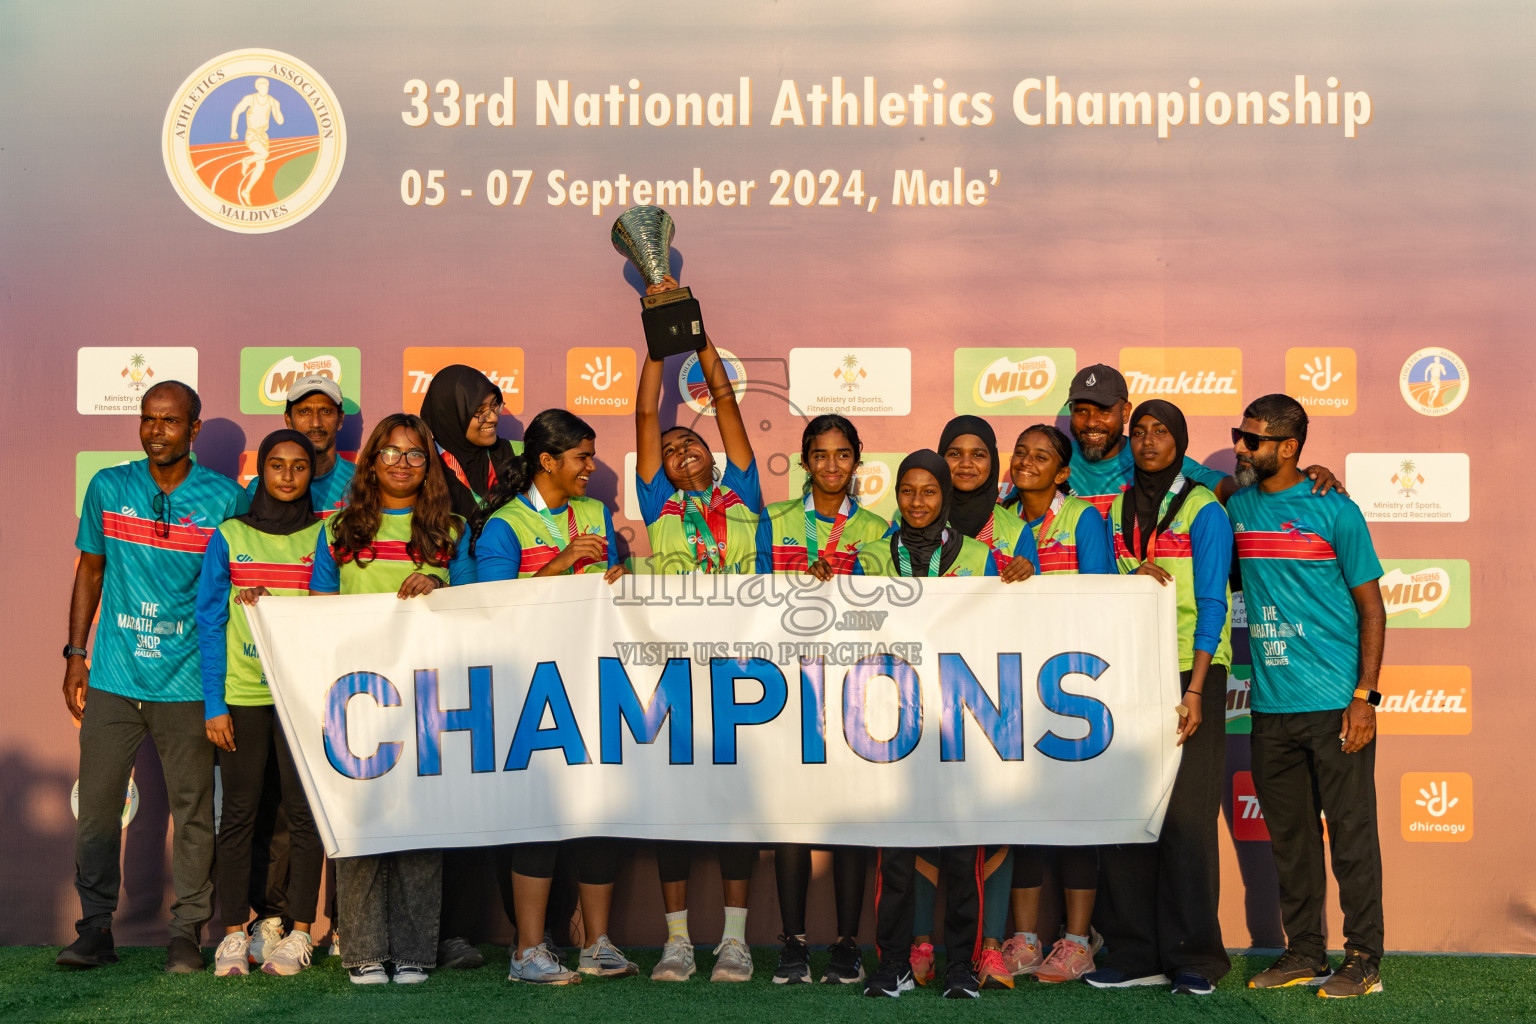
x: 1174, y: 488
x: 534, y: 498
x: 702, y: 523
x: 904, y: 560
x: 458, y: 471
x: 812, y: 555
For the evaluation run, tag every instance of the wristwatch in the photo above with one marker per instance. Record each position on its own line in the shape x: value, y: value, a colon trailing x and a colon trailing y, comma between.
x: 70, y: 650
x: 1371, y: 697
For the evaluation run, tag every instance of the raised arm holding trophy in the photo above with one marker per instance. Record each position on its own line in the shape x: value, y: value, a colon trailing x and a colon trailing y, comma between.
x: 671, y: 318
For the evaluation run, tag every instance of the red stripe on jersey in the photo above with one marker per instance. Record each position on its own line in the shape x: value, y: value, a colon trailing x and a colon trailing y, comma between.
x: 792, y: 559
x: 1102, y: 502
x: 536, y: 558
x: 1307, y: 547
x: 383, y: 550
x: 133, y: 530
x: 1169, y: 545
x: 1058, y: 558
x: 269, y: 574
x: 728, y: 500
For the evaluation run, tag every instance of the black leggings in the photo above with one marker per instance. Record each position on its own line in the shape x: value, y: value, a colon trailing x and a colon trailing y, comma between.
x: 674, y: 860
x: 597, y: 859
x: 792, y: 869
x: 1077, y: 867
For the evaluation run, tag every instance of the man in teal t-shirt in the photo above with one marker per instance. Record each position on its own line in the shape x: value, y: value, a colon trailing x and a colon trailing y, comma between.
x: 143, y: 529
x: 1316, y: 627
x: 314, y: 409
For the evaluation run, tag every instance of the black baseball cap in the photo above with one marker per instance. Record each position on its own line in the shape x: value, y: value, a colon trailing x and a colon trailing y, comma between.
x: 1099, y: 384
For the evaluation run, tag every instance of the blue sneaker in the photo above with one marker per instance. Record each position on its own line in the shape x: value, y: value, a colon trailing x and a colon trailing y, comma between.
x: 1188, y: 983
x: 1108, y: 977
x: 539, y: 967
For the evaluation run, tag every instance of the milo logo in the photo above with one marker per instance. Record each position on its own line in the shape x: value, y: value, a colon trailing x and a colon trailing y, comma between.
x: 1424, y: 593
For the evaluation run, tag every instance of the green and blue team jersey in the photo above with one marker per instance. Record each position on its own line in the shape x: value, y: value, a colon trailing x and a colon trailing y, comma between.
x: 391, y: 562
x: 328, y: 494
x: 1302, y: 554
x: 1069, y: 538
x: 146, y: 640
x: 516, y: 541
x: 1100, y: 483
x: 781, y: 536
x: 734, y: 504
x: 974, y: 559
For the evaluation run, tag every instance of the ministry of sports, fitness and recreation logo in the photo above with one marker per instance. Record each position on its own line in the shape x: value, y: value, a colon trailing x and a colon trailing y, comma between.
x: 694, y: 388
x: 1434, y: 381
x: 1425, y: 487
x: 254, y: 141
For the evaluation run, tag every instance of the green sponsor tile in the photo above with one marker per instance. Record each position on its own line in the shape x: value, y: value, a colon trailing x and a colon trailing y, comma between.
x: 1239, y: 720
x: 985, y: 388
x: 265, y: 374
x: 1407, y: 599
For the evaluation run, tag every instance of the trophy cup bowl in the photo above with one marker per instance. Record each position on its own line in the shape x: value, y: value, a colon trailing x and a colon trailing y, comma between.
x: 671, y: 319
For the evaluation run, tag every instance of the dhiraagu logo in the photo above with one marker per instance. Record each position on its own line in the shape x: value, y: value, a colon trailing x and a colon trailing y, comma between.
x: 267, y: 373
x: 1012, y: 381
x: 1427, y: 593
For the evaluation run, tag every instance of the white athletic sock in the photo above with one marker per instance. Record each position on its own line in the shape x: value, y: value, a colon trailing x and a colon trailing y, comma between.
x: 735, y: 925
x: 677, y: 927
x: 1081, y: 940
x: 1030, y: 937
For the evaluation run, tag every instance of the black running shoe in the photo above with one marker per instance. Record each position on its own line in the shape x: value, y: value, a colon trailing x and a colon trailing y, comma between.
x: 847, y: 964
x: 794, y: 962
x: 92, y: 949
x: 892, y: 978
x: 457, y: 954
x: 960, y: 982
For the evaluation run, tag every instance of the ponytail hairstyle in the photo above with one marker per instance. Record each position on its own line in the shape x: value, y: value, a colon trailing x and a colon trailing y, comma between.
x: 1060, y: 442
x: 823, y: 424
x: 552, y: 432
x: 434, y: 531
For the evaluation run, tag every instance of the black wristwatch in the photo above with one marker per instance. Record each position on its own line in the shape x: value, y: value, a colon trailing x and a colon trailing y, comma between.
x: 1371, y: 697
x: 70, y: 650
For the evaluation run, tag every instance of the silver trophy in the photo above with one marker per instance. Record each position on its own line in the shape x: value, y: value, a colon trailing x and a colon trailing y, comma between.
x: 672, y: 321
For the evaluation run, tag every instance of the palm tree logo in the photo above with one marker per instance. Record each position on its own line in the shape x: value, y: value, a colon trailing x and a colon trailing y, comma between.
x: 1407, y: 478
x: 137, y: 371
x: 849, y: 373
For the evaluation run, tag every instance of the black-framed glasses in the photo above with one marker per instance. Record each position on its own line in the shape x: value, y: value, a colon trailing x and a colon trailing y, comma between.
x: 415, y: 457
x: 1251, y: 441
x: 162, y: 509
x: 491, y: 412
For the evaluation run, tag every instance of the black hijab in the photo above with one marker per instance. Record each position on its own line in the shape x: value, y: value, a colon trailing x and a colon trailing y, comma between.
x: 268, y: 514
x: 1146, y: 494
x: 972, y: 509
x: 921, y: 543
x: 453, y: 396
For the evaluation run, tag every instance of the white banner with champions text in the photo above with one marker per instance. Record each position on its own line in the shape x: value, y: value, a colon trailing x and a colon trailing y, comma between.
x: 862, y: 711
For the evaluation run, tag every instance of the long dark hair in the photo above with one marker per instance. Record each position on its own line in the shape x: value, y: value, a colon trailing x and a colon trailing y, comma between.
x: 823, y: 424
x: 1059, y: 441
x: 434, y: 533
x: 553, y: 432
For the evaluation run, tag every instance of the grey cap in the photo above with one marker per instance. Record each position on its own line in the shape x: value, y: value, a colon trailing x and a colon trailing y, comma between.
x: 1099, y: 384
x: 303, y: 387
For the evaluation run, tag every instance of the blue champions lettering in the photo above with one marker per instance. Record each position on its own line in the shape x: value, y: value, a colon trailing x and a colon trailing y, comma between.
x: 432, y: 721
x: 618, y: 706
x: 337, y: 750
x: 1101, y: 724
x: 728, y: 714
x: 813, y: 711
x: 1002, y: 723
x: 909, y: 707
x: 546, y: 691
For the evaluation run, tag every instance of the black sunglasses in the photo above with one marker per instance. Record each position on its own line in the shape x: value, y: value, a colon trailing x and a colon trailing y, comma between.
x: 161, y: 507
x: 1251, y: 441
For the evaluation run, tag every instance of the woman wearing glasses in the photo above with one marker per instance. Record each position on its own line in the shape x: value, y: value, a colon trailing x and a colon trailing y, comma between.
x: 462, y: 408
x: 397, y: 535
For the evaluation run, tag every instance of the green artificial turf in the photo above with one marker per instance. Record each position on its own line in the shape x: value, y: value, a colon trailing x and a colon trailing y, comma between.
x: 1434, y: 990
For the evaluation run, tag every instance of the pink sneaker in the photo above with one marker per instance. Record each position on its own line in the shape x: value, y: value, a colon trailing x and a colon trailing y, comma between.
x: 922, y: 962
x: 1021, y: 956
x: 990, y: 970
x: 1068, y: 961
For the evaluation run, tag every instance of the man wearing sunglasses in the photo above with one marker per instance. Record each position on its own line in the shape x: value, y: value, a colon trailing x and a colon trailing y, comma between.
x: 143, y: 529
x: 1316, y: 628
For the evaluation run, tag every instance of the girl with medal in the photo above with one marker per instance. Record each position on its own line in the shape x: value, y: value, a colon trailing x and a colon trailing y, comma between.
x: 1069, y: 534
x: 820, y: 533
x: 698, y: 519
x: 538, y: 521
x: 1163, y: 895
x: 924, y: 545
x: 462, y: 408
x: 265, y: 551
x: 397, y: 535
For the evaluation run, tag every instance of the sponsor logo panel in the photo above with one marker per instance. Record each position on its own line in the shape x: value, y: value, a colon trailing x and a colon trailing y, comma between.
x: 1247, y: 816
x: 1239, y: 712
x: 851, y: 381
x: 693, y: 388
x: 599, y: 381
x: 1433, y: 381
x: 267, y: 373
x: 503, y: 367
x: 1437, y: 807
x: 1425, y: 700
x: 1200, y: 381
x: 874, y: 482
x: 1322, y: 380
x: 1013, y: 381
x: 1427, y: 593
x: 112, y: 381
x: 1431, y: 487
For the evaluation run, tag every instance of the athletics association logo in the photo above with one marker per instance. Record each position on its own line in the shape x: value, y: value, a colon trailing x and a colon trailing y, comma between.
x: 1434, y: 381
x: 695, y: 390
x: 254, y: 141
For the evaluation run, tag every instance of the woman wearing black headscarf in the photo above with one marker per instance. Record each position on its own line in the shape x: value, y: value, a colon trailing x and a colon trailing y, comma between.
x: 461, y: 409
x: 1163, y: 896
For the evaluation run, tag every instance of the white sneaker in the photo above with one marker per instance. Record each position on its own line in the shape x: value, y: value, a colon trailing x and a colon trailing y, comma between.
x: 266, y: 935
x: 290, y: 956
x: 229, y: 960
x: 733, y: 961
x: 539, y: 967
x: 676, y: 963
x: 606, y: 960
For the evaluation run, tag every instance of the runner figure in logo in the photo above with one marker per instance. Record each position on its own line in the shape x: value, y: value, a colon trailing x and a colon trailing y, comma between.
x: 260, y: 109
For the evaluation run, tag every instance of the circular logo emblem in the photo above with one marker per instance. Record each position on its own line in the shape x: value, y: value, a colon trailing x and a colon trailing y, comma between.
x: 130, y: 802
x: 690, y: 381
x: 254, y: 141
x: 1434, y: 381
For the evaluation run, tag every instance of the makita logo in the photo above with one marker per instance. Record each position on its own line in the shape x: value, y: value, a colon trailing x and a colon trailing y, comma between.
x: 1209, y: 382
x: 1433, y: 702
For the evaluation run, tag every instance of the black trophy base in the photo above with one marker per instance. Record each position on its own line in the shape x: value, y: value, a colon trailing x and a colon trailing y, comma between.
x: 672, y: 323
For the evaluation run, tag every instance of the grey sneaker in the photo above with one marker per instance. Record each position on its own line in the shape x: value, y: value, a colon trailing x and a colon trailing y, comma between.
x: 539, y: 967
x: 676, y: 963
x: 458, y: 954
x: 290, y: 956
x: 265, y: 935
x: 733, y: 961
x: 229, y: 959
x: 606, y: 960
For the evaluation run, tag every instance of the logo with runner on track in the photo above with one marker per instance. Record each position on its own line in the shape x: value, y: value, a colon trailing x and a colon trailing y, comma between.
x: 695, y: 389
x: 254, y: 141
x: 1434, y: 381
